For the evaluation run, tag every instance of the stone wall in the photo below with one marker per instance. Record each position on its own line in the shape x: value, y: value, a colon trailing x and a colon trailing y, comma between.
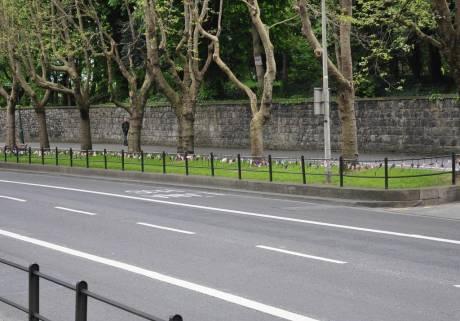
x: 385, y: 125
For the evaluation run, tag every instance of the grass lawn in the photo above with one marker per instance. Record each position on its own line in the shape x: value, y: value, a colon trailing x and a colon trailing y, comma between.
x: 283, y: 171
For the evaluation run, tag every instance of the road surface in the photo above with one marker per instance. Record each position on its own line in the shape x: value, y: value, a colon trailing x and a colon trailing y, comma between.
x: 223, y: 255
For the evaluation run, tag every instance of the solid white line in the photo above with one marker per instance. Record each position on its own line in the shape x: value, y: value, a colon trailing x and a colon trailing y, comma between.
x: 166, y: 228
x: 74, y: 211
x: 222, y: 210
x: 300, y: 254
x: 12, y: 198
x: 247, y: 303
x: 457, y: 286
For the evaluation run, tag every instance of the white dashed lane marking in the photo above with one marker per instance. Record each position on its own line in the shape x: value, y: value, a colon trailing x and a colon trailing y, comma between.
x: 12, y: 198
x: 74, y: 211
x: 313, y: 257
x: 166, y: 228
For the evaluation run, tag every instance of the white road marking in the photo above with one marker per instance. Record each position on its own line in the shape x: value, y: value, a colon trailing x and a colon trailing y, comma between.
x: 223, y: 210
x: 74, y: 211
x: 225, y: 296
x: 300, y: 254
x: 12, y: 198
x: 166, y: 228
x: 457, y: 286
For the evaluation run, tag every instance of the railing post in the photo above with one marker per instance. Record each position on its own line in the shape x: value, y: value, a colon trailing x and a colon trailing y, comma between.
x: 454, y: 177
x: 239, y: 166
x: 270, y: 168
x: 56, y: 151
x: 163, y: 159
x: 386, y: 172
x: 43, y: 155
x: 142, y: 161
x: 34, y: 292
x: 304, y: 175
x: 87, y: 159
x: 81, y: 303
x: 71, y: 156
x: 212, y: 165
x: 30, y: 155
x: 105, y: 158
x: 122, y: 159
x: 186, y: 164
x: 341, y: 170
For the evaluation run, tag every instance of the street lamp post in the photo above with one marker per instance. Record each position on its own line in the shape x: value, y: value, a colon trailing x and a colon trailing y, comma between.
x: 327, y: 124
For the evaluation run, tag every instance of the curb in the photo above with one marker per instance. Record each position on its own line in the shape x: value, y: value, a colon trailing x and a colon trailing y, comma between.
x: 327, y: 194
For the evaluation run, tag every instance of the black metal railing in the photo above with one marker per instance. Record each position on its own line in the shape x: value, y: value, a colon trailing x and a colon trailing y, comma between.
x: 342, y: 172
x: 81, y: 296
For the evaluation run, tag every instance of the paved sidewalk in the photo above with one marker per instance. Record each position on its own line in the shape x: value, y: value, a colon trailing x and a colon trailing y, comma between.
x: 228, y: 151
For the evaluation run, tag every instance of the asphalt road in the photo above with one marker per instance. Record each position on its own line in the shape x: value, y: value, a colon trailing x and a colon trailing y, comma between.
x: 220, y: 255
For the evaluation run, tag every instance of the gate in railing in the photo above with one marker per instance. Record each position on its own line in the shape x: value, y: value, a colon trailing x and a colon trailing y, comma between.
x: 81, y: 297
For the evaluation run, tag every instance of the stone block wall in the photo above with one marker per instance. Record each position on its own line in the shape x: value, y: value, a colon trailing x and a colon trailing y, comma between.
x: 415, y: 125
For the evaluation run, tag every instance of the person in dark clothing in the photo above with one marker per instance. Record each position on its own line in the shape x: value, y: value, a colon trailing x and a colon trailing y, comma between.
x: 125, y: 129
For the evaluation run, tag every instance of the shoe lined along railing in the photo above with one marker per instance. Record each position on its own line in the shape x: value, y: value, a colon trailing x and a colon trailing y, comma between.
x: 81, y: 297
x: 385, y: 173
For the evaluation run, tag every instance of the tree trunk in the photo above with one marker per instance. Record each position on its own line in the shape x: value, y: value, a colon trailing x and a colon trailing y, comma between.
x: 349, y: 143
x: 135, y: 130
x: 435, y: 64
x: 186, y: 142
x: 85, y: 129
x: 256, y: 131
x: 346, y: 92
x: 11, y: 124
x: 42, y: 128
x: 186, y: 130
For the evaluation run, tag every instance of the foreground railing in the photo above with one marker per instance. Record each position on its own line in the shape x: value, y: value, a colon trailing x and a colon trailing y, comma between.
x: 81, y: 296
x: 397, y: 173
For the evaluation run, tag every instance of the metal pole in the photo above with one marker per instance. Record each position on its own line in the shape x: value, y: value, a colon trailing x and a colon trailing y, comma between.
x: 71, y: 156
x: 57, y: 156
x: 239, y: 166
x: 87, y: 159
x: 454, y: 177
x: 81, y: 303
x: 270, y: 168
x: 304, y: 176
x: 186, y: 164
x: 163, y: 158
x: 105, y: 158
x: 43, y: 156
x: 17, y: 154
x: 327, y: 123
x: 34, y: 292
x: 30, y: 155
x: 122, y: 160
x: 341, y: 171
x: 142, y: 161
x: 212, y: 165
x: 386, y: 172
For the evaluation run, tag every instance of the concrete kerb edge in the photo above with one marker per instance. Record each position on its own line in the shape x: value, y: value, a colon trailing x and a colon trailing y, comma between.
x: 352, y: 196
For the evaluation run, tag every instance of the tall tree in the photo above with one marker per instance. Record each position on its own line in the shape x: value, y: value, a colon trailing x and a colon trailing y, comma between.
x: 176, y: 61
x: 342, y: 72
x: 17, y: 27
x: 64, y: 42
x: 130, y: 56
x: 260, y: 109
x: 9, y: 87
